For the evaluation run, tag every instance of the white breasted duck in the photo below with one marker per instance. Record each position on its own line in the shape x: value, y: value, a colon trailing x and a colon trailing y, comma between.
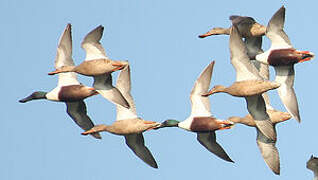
x: 201, y: 120
x: 98, y: 65
x: 68, y: 89
x: 283, y: 56
x: 128, y: 124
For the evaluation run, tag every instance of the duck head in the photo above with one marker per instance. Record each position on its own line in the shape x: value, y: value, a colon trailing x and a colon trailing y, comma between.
x: 34, y: 96
x: 63, y: 69
x: 312, y: 163
x: 215, y: 89
x: 168, y: 123
x: 225, y: 124
x: 96, y: 129
x: 215, y: 31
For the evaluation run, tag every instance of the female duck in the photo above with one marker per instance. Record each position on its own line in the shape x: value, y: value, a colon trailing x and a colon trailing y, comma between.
x: 98, y: 65
x: 128, y: 124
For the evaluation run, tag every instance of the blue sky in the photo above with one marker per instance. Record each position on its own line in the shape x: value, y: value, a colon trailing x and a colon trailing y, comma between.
x: 159, y: 38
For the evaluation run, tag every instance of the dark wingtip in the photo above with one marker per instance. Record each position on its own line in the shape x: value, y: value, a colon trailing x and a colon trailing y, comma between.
x: 276, y: 172
x: 227, y: 158
x: 154, y: 165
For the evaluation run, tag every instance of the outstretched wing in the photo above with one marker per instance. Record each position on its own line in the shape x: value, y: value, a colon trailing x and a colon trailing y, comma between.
x: 77, y: 111
x: 124, y: 86
x: 285, y: 76
x: 92, y: 46
x: 208, y: 140
x: 137, y: 144
x: 239, y: 58
x: 200, y: 104
x: 64, y: 58
x: 103, y: 85
x: 268, y: 151
x: 275, y: 32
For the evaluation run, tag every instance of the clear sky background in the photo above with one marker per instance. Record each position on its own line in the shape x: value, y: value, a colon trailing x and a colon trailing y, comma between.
x: 159, y: 38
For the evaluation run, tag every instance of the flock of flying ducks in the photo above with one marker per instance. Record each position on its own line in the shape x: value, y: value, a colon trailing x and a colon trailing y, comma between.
x: 252, y: 82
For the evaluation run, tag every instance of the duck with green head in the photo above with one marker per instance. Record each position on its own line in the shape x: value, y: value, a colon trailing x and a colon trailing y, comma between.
x: 201, y: 120
x: 68, y: 90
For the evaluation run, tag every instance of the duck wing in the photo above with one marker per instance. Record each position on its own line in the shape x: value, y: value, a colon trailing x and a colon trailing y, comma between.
x: 200, y: 106
x: 64, y: 58
x: 137, y: 144
x: 285, y: 76
x: 275, y: 32
x: 92, y: 46
x: 124, y: 86
x: 239, y: 58
x: 103, y: 85
x: 254, y: 47
x: 77, y: 111
x: 269, y: 152
x: 257, y: 108
x: 208, y: 140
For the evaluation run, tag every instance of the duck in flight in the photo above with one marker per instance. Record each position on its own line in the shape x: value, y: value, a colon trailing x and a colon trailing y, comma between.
x: 282, y: 56
x: 99, y: 66
x: 128, y: 124
x: 68, y: 89
x: 201, y: 120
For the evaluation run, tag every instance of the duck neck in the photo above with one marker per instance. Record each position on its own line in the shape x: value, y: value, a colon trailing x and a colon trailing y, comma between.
x: 66, y: 69
x: 103, y: 127
x: 235, y: 119
x: 218, y: 89
x: 258, y: 30
x: 220, y: 31
x: 34, y: 96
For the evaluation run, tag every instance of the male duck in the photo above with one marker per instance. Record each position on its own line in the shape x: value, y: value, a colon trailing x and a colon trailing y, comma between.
x: 283, y: 56
x: 68, y: 89
x: 201, y: 120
